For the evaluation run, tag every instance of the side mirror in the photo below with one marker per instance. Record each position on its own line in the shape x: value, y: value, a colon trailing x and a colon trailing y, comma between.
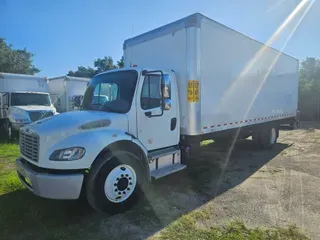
x: 76, y: 104
x: 167, y: 104
x: 77, y: 101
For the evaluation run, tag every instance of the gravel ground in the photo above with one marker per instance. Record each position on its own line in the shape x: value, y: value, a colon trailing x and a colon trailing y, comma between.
x: 277, y: 187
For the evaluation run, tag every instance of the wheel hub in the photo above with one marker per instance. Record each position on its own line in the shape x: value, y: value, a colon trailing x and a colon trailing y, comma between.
x: 123, y: 183
x: 120, y: 183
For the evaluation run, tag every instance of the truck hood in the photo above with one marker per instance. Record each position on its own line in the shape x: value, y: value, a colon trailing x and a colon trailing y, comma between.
x: 35, y: 108
x: 70, y: 123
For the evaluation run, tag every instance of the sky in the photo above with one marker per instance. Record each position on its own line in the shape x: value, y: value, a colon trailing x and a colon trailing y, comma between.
x: 64, y: 34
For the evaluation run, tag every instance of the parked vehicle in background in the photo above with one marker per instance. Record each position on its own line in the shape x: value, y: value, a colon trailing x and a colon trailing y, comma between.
x: 23, y: 99
x: 65, y: 91
x: 195, y: 80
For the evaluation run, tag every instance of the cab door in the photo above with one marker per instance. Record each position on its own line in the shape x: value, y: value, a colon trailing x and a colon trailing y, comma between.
x: 157, y: 111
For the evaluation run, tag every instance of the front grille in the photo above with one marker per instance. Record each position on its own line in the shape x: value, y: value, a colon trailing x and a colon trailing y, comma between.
x: 37, y: 115
x: 29, y: 145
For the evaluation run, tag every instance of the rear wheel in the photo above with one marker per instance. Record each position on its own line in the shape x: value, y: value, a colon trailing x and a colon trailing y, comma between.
x: 113, y: 183
x: 266, y: 138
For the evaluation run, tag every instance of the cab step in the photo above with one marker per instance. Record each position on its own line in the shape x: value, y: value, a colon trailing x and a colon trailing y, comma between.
x: 162, y: 172
x: 163, y: 152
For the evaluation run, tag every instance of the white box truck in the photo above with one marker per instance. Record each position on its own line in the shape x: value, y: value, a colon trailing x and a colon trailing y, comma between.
x: 66, y: 92
x: 185, y: 82
x: 23, y: 99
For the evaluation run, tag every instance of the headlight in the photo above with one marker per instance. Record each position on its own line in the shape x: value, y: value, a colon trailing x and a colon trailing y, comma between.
x: 68, y: 154
x: 20, y: 120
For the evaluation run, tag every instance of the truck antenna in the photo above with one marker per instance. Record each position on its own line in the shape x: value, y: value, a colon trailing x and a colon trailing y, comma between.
x: 132, y: 31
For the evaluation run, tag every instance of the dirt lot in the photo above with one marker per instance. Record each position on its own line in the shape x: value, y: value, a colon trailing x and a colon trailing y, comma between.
x: 262, y: 188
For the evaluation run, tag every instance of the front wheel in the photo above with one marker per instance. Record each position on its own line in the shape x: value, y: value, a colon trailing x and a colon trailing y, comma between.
x: 113, y: 183
x: 9, y: 131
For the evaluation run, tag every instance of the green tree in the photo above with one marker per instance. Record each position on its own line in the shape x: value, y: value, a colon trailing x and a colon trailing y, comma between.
x: 104, y: 64
x: 120, y: 63
x: 16, y: 61
x: 309, y: 89
x: 100, y: 65
x: 86, y: 72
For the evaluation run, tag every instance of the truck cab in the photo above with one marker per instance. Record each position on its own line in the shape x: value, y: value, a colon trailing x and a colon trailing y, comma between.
x: 137, y: 95
x: 121, y: 135
x: 22, y: 108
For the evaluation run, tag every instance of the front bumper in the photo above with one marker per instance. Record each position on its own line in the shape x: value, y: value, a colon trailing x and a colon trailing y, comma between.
x: 49, y: 185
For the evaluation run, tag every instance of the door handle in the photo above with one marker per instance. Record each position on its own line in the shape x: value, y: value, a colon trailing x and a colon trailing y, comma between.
x: 173, y: 124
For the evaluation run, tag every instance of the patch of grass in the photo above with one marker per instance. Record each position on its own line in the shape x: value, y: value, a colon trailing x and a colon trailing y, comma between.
x: 206, y: 142
x: 187, y: 227
x: 25, y: 216
x: 8, y: 178
x: 283, y: 153
x: 271, y: 170
x: 9, y: 182
x: 8, y: 151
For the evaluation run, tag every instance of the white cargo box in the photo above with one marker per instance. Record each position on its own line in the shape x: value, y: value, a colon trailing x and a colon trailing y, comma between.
x: 10, y: 82
x: 240, y: 81
x: 63, y: 89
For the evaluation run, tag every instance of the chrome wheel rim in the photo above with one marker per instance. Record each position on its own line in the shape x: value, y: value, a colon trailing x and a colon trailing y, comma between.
x: 120, y: 183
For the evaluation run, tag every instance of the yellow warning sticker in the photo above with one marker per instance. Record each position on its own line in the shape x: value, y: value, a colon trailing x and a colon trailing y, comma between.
x: 193, y: 91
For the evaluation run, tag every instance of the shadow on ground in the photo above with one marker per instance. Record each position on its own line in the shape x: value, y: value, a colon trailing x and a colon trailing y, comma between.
x: 212, y: 172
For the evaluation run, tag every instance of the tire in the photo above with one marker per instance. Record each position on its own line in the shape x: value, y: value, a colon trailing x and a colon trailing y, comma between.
x: 266, y: 138
x: 10, y: 133
x: 113, y: 184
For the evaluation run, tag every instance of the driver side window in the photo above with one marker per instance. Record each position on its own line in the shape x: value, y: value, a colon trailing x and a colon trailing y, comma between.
x: 105, y: 92
x: 151, y: 92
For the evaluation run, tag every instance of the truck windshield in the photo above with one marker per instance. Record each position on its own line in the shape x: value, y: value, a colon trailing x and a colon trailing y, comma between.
x: 24, y: 99
x: 111, y: 92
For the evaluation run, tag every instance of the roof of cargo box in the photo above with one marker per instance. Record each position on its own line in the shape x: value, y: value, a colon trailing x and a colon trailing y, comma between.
x: 71, y: 78
x: 193, y: 20
x: 24, y: 76
x: 44, y: 93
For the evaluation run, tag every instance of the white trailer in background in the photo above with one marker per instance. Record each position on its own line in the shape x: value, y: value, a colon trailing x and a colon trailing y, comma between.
x: 23, y: 99
x: 65, y: 91
x: 195, y: 80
